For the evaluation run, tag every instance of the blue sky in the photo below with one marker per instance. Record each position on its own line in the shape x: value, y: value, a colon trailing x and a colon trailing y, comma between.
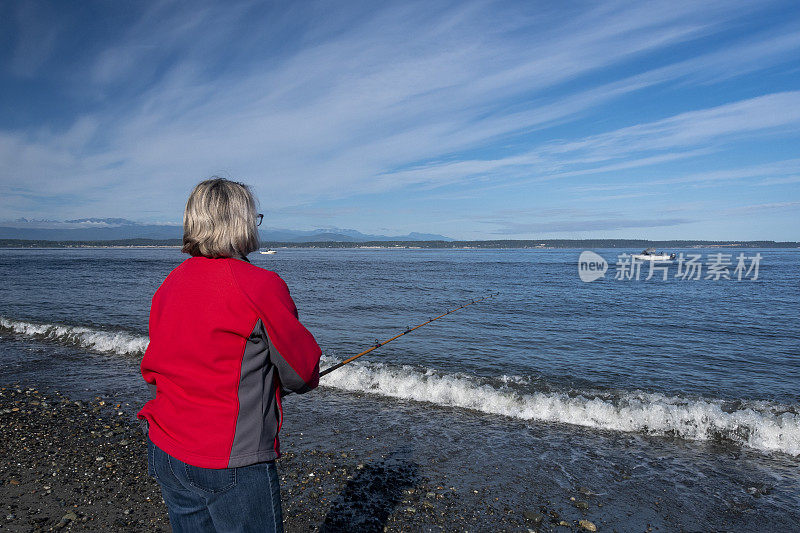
x: 475, y: 120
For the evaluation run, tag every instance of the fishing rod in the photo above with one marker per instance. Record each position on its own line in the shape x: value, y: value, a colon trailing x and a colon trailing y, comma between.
x: 378, y: 344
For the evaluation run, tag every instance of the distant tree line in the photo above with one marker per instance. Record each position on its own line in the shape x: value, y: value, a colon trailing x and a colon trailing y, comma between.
x: 544, y: 243
x: 497, y: 243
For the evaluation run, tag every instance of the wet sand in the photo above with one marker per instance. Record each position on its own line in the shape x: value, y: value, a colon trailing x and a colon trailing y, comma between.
x: 81, y: 466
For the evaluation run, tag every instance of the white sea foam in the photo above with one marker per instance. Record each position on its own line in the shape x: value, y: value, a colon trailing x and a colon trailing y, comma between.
x: 760, y: 425
x: 96, y: 340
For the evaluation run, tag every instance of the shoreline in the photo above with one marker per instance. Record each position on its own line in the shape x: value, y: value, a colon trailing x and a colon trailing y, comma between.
x: 415, y: 248
x: 81, y: 466
x: 394, y: 244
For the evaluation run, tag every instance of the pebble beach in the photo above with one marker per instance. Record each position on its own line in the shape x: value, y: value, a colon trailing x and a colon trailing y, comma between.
x: 81, y: 466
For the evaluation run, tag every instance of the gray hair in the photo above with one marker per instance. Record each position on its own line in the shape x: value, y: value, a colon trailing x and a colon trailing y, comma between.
x: 220, y: 220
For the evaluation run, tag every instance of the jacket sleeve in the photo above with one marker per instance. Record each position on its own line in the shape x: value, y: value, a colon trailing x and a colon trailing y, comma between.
x: 292, y: 348
x: 148, y: 375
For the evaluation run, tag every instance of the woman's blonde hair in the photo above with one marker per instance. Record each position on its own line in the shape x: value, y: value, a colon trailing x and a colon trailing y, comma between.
x: 220, y: 220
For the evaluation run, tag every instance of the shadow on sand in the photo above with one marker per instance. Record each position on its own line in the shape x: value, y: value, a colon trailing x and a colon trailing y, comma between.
x: 369, y: 498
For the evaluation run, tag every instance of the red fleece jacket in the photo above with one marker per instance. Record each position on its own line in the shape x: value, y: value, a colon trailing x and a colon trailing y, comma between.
x: 224, y: 339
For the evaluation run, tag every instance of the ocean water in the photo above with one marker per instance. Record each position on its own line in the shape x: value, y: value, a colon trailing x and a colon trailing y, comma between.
x: 698, y: 369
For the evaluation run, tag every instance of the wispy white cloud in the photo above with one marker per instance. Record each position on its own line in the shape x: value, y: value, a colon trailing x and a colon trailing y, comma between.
x: 611, y: 197
x: 771, y: 206
x: 763, y: 175
x: 585, y: 226
x: 681, y: 136
x: 713, y: 126
x: 779, y: 181
x: 309, y: 102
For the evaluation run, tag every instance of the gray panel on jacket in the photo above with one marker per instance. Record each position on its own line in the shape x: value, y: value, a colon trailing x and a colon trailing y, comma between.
x: 248, y: 439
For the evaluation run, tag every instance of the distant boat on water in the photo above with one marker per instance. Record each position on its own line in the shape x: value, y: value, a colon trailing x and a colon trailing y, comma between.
x: 650, y: 254
x: 267, y: 252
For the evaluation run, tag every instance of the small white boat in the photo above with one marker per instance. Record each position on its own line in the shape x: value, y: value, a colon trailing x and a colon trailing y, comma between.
x: 267, y: 252
x: 651, y: 255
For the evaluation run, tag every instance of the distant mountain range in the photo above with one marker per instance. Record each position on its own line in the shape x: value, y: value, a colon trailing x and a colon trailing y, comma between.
x: 106, y: 229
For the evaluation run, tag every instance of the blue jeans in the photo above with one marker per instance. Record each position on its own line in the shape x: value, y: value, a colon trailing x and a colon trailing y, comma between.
x: 242, y: 499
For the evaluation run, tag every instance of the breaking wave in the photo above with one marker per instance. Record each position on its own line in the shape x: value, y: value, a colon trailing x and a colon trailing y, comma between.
x: 96, y: 340
x: 761, y: 425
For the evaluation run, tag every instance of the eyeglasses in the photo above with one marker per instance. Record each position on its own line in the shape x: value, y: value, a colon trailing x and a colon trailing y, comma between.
x: 260, y: 217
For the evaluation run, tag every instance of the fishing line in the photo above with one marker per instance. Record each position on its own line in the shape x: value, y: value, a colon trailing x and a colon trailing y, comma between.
x: 378, y: 344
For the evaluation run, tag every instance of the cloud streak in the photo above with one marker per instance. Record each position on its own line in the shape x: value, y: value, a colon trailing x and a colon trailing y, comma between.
x: 584, y: 226
x: 320, y: 102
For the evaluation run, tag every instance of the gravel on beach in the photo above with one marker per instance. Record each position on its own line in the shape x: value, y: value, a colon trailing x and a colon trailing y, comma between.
x: 81, y: 466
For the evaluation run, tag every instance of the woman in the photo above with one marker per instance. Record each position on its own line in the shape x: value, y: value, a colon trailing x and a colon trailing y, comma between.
x: 225, y: 341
